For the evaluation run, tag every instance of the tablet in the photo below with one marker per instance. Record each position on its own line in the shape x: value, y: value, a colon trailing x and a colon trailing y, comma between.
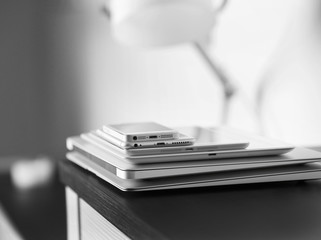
x: 307, y: 171
x: 205, y: 140
x: 170, y: 169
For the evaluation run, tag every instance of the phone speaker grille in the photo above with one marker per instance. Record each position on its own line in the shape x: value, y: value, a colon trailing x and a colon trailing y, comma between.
x: 180, y: 142
x: 167, y: 136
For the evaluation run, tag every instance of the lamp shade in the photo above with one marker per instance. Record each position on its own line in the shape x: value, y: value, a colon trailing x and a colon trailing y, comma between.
x: 161, y: 22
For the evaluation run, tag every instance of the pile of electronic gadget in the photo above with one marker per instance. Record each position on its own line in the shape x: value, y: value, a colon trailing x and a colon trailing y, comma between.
x: 150, y: 156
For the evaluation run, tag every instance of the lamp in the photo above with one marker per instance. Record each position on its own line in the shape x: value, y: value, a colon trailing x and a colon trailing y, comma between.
x: 153, y: 23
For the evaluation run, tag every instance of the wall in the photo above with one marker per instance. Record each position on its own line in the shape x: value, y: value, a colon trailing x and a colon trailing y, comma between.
x: 273, y: 51
x: 20, y: 79
x: 270, y: 49
x: 38, y: 92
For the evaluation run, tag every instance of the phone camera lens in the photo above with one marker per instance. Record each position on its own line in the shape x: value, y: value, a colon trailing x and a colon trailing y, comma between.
x: 135, y: 138
x: 135, y: 145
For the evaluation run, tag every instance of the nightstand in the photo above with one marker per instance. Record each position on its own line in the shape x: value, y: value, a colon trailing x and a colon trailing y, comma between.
x: 97, y: 210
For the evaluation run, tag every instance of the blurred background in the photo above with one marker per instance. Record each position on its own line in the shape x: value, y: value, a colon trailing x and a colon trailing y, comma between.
x: 62, y: 73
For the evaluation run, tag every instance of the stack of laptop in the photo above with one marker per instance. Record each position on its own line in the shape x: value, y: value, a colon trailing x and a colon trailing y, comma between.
x: 149, y: 156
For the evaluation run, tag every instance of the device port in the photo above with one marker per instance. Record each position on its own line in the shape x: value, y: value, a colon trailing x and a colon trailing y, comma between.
x: 153, y: 137
x: 135, y: 138
x: 135, y: 145
x: 161, y: 143
x: 189, y: 149
x: 212, y: 154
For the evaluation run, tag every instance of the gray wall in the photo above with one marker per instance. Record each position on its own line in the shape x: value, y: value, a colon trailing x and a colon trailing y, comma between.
x: 37, y: 87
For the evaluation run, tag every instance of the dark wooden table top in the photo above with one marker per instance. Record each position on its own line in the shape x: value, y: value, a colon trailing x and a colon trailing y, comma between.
x: 288, y: 210
x: 38, y: 213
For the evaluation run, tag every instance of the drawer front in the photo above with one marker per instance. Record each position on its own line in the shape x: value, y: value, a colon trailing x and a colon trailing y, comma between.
x: 96, y: 227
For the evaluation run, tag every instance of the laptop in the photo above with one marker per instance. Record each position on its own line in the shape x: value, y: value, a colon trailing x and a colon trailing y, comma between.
x: 126, y: 169
x: 259, y: 146
x: 307, y: 171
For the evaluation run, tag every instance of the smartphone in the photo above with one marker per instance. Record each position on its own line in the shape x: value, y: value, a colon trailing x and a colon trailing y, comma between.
x: 182, y: 140
x: 140, y: 132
